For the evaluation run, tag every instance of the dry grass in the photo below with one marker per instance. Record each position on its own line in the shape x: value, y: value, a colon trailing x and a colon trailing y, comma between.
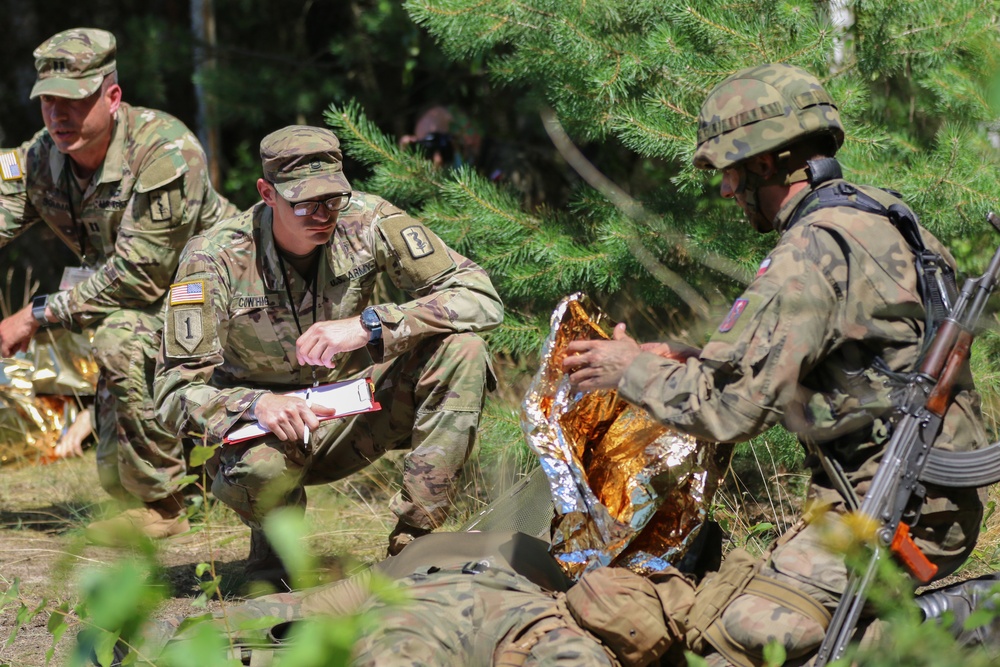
x: 43, y: 510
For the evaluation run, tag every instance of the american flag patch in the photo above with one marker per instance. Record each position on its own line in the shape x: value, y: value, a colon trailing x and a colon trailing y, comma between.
x: 192, y: 292
x: 10, y: 166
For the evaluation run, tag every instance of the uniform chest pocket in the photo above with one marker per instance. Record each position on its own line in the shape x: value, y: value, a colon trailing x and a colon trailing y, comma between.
x: 349, y: 298
x: 262, y: 340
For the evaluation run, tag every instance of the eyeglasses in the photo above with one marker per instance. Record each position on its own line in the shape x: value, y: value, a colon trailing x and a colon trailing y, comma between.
x: 307, y: 208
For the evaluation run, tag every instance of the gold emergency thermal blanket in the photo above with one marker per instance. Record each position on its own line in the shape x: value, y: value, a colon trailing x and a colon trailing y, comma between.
x: 628, y: 491
x: 40, y: 394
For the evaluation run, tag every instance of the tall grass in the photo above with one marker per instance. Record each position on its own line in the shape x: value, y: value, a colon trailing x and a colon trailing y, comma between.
x: 86, y: 600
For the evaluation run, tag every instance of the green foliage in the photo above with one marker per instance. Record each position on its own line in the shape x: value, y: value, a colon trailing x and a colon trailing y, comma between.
x: 915, y: 86
x: 116, y: 604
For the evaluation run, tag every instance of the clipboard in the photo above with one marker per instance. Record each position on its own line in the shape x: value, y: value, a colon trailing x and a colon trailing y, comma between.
x: 349, y: 397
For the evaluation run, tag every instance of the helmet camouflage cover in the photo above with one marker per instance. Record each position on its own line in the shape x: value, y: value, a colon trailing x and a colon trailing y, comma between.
x: 760, y: 109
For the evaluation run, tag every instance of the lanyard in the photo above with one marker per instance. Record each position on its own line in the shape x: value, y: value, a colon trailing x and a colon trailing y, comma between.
x: 291, y: 302
x: 81, y: 232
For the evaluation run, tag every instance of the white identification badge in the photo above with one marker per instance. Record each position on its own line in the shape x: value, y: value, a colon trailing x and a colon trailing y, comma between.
x: 73, y: 276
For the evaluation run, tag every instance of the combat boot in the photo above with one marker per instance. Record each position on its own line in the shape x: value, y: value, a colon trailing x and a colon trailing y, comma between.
x: 402, y: 535
x: 155, y: 520
x: 962, y: 600
x: 264, y: 566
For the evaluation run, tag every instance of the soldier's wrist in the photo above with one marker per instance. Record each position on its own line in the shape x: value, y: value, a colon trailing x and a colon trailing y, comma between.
x: 40, y: 310
x: 251, y: 411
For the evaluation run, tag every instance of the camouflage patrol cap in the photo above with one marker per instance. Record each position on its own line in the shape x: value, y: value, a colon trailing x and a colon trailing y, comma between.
x: 760, y: 109
x: 73, y: 63
x: 303, y: 162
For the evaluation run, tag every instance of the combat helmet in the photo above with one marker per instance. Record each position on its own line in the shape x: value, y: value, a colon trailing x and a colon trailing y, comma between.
x: 761, y: 109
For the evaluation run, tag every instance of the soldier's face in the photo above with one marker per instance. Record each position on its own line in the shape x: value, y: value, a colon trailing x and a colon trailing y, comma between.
x: 734, y: 185
x: 82, y: 128
x: 298, y: 234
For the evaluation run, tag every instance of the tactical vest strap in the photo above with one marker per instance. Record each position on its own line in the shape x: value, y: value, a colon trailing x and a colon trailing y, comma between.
x: 935, y: 278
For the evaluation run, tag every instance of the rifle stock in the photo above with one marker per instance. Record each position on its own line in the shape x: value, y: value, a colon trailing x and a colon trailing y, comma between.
x: 897, y: 480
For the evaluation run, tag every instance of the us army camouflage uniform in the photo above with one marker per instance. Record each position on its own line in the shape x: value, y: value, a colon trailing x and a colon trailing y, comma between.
x: 429, y: 373
x: 839, y: 290
x: 151, y: 194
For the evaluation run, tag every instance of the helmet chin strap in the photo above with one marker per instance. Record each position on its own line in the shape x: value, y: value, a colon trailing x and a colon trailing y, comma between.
x: 751, y: 183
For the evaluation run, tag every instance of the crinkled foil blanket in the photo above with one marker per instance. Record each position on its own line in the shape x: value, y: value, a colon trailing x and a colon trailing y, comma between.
x: 628, y: 491
x: 39, y: 394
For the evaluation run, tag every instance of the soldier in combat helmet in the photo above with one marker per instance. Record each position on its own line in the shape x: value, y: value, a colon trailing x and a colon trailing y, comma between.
x: 834, y: 311
x: 283, y: 297
x: 125, y: 188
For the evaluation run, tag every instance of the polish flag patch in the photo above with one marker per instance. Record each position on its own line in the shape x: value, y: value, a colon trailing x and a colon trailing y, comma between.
x: 764, y: 266
x: 734, y: 314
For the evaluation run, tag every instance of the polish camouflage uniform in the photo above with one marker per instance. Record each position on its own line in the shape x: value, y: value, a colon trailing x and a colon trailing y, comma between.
x: 430, y: 370
x: 468, y: 599
x: 798, y: 348
x: 150, y: 195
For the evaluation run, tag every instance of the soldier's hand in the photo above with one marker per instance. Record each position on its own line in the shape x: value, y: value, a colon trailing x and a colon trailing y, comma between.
x: 288, y: 416
x: 16, y: 332
x: 675, y: 351
x: 324, y: 340
x: 600, y: 364
x: 71, y: 442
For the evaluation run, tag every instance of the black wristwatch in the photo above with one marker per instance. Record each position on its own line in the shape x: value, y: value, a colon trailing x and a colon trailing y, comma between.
x: 38, y: 306
x: 372, y: 324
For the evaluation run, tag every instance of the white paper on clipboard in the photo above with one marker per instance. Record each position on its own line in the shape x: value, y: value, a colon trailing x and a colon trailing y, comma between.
x: 349, y: 397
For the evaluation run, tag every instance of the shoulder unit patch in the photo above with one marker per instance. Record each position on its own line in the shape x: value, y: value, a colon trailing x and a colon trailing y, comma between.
x: 734, y: 314
x: 417, y: 242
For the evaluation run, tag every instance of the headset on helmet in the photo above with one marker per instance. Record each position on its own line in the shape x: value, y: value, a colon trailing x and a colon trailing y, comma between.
x: 761, y: 109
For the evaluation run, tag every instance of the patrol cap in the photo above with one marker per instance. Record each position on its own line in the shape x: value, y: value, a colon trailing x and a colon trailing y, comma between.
x: 73, y: 63
x: 303, y: 163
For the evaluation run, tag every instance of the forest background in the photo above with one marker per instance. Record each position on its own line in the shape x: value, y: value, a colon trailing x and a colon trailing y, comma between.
x: 589, y: 109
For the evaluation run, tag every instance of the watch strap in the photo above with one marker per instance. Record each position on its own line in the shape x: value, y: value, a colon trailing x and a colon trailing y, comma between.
x: 372, y: 324
x: 38, y: 306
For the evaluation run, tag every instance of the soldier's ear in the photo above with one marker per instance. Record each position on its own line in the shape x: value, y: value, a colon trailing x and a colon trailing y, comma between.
x: 764, y: 165
x: 266, y: 191
x: 114, y: 96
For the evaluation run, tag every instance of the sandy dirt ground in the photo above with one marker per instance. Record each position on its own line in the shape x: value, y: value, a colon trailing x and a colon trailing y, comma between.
x: 43, y: 510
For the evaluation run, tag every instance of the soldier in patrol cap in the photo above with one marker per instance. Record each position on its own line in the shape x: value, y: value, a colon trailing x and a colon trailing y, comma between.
x: 125, y: 188
x: 280, y: 298
x: 835, y: 310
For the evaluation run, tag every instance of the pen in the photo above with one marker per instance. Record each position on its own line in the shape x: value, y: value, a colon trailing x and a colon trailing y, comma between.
x: 305, y: 438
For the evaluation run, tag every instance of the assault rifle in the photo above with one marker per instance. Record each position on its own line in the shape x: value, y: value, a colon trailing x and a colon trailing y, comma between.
x: 909, y: 460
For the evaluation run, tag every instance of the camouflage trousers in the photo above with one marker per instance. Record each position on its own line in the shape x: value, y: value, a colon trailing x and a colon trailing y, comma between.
x: 431, y: 399
x: 136, y: 456
x: 803, y: 561
x: 465, y: 618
